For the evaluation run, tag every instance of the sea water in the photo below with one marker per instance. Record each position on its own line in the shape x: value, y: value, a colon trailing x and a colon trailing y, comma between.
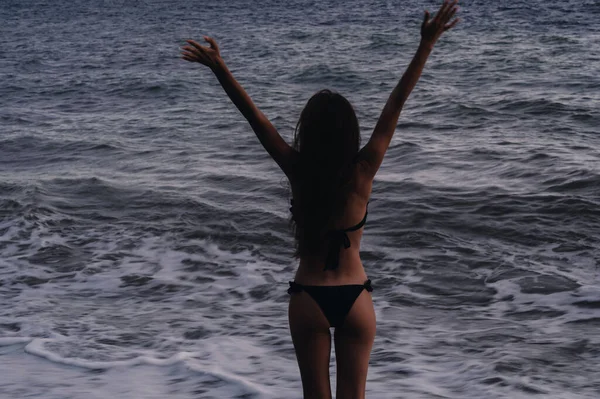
x: 144, y: 246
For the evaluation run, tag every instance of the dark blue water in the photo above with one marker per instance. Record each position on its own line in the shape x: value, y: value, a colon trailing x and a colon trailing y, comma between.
x: 144, y: 249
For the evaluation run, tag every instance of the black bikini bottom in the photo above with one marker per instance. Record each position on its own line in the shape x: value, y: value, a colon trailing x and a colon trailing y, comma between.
x: 334, y: 300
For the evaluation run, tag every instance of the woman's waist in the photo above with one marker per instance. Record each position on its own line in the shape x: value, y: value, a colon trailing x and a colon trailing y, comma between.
x: 349, y: 271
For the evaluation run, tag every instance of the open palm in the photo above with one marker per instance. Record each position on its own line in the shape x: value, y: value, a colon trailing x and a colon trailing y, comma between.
x: 432, y: 29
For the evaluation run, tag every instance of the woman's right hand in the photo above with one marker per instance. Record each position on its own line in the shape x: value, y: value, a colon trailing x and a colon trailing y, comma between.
x: 432, y: 30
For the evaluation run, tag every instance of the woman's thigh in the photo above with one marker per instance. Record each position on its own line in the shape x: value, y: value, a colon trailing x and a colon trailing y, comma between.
x: 312, y: 342
x: 353, y: 344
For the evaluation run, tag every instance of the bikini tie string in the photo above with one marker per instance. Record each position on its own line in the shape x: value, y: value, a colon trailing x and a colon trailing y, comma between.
x: 338, y: 238
x: 294, y: 287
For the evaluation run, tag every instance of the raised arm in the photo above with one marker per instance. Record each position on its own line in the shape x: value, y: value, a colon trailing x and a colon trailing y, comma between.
x: 275, y: 145
x: 374, y: 151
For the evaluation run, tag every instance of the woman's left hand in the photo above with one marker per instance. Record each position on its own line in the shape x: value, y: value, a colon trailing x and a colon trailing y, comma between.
x: 209, y: 56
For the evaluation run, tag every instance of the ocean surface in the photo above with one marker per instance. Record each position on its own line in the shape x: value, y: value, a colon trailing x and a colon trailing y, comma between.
x: 144, y: 245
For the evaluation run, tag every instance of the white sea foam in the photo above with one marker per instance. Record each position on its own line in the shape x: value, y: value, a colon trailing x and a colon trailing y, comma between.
x: 6, y: 341
x: 143, y: 376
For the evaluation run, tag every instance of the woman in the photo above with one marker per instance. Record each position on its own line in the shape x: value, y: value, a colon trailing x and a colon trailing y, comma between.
x: 331, y: 182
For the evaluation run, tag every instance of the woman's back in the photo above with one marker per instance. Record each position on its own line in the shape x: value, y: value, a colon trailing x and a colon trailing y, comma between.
x: 350, y: 269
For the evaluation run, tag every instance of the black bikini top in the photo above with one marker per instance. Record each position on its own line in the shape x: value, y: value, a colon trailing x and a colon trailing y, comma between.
x: 337, y: 238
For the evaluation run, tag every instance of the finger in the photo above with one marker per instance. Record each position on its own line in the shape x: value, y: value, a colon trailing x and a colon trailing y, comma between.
x: 451, y: 10
x: 193, y: 59
x: 451, y: 14
x: 189, y: 54
x: 196, y: 45
x: 448, y: 6
x: 213, y: 43
x: 425, y: 19
x: 193, y: 49
x: 441, y: 11
x: 194, y: 52
x: 451, y: 25
x: 190, y: 49
x: 193, y: 56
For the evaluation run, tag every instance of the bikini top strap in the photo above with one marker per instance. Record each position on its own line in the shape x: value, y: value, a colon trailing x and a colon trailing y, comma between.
x: 339, y: 238
x: 362, y: 222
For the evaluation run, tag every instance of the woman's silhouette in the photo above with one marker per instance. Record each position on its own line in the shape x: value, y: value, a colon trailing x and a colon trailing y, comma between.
x: 331, y: 179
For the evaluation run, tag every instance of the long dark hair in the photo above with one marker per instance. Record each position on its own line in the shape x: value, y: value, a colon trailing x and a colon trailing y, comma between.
x: 327, y: 138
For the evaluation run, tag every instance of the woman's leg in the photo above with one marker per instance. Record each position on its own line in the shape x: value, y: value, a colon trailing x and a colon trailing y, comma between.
x: 312, y: 342
x: 353, y: 343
